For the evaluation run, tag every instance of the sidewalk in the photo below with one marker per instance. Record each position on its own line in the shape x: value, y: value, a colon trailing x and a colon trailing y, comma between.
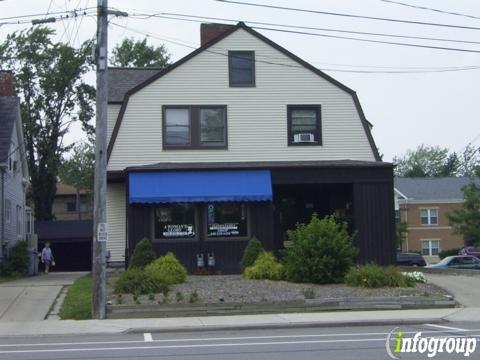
x: 237, y: 322
x: 30, y: 299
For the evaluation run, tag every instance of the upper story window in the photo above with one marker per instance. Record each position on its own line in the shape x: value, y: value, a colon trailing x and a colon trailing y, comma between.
x: 429, y: 216
x: 304, y: 125
x: 241, y: 68
x: 195, y: 127
x: 8, y: 211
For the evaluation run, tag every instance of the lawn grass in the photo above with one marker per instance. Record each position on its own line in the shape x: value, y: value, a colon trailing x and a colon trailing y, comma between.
x: 4, y: 279
x: 78, y: 302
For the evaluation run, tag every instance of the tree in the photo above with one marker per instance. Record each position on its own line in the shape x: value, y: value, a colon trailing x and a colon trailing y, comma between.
x: 79, y: 169
x: 470, y: 161
x: 401, y: 231
x: 48, y: 79
x: 427, y: 161
x: 138, y: 54
x: 466, y: 220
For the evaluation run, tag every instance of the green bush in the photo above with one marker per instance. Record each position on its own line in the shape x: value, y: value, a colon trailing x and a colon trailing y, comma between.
x: 374, y: 276
x: 5, y: 268
x: 265, y: 267
x: 251, y: 252
x: 142, y: 255
x: 451, y: 252
x: 18, y: 258
x: 321, y: 252
x: 167, y: 269
x: 136, y: 281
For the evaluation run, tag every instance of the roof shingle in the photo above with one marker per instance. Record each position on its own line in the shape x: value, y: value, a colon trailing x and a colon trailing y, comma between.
x: 122, y: 79
x: 433, y: 188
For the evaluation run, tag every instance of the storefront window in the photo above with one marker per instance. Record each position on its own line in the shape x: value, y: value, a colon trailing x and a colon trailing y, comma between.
x: 226, y: 220
x: 175, y: 221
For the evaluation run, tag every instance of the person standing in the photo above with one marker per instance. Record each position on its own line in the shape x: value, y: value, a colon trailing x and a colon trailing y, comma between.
x: 47, y: 257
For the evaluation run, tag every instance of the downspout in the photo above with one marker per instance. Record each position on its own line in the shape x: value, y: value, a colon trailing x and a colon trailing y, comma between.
x: 2, y: 213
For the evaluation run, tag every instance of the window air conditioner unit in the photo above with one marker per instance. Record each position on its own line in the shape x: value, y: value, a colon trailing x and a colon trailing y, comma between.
x: 304, y: 138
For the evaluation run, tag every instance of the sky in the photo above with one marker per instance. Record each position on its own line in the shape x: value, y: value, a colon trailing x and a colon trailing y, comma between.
x: 406, y: 109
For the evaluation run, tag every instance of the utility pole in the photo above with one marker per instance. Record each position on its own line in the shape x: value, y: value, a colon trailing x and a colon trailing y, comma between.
x: 100, y: 235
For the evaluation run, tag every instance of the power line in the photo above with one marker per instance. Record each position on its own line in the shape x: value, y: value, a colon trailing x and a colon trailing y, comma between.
x: 43, y: 14
x: 155, y: 36
x: 146, y: 16
x: 350, y: 15
x: 344, y: 37
x: 430, y: 9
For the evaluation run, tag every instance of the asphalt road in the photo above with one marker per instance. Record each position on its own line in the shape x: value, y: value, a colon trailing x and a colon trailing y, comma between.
x: 359, y: 343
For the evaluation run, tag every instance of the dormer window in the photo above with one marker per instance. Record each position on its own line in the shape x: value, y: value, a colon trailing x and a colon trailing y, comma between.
x: 241, y: 66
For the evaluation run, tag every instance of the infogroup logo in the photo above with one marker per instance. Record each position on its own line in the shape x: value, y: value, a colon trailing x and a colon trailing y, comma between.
x: 430, y: 345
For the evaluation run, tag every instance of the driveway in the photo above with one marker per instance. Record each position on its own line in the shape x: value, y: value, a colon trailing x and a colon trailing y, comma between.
x: 466, y: 289
x: 31, y: 298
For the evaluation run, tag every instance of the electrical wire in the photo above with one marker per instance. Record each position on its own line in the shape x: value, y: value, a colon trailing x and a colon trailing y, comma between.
x: 349, y: 15
x: 430, y: 9
x: 147, y: 16
x: 158, y: 37
x: 343, y: 37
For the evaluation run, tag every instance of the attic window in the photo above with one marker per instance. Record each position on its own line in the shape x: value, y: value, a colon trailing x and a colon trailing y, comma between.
x: 241, y: 66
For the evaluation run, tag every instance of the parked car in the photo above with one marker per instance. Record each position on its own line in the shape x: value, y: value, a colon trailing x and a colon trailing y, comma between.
x: 410, y: 259
x: 470, y: 250
x: 457, y: 262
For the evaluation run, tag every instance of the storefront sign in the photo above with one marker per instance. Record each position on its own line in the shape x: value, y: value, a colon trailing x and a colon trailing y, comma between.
x: 178, y: 230
x: 229, y: 229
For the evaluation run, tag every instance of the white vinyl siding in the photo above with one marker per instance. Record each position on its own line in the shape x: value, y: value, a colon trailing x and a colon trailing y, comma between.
x: 116, y: 222
x: 257, y: 116
x: 112, y: 115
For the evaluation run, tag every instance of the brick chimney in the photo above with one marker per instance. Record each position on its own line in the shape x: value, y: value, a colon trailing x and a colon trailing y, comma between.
x: 6, y: 83
x: 208, y: 32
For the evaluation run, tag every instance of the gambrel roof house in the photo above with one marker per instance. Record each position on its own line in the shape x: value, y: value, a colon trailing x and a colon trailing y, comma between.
x: 240, y: 138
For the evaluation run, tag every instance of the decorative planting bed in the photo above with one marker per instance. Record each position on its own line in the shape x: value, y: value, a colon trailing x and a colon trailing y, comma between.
x: 233, y: 294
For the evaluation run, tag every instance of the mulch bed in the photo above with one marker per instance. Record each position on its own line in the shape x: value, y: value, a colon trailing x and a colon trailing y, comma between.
x: 217, y: 289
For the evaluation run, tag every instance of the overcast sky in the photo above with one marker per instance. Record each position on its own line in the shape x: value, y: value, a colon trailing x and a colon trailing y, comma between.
x: 441, y: 108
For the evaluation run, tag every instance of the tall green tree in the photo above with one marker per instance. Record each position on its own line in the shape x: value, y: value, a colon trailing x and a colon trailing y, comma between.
x: 427, y: 161
x: 470, y: 161
x: 49, y: 80
x: 466, y: 220
x: 78, y: 171
x: 401, y: 231
x: 138, y: 54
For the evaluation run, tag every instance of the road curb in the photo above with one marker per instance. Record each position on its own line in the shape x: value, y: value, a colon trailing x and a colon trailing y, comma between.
x: 296, y: 325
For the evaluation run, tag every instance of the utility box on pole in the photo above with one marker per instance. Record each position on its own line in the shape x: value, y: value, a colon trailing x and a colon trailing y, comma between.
x: 100, y: 235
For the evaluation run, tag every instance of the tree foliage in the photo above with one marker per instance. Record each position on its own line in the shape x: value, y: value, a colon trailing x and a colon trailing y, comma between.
x: 49, y: 80
x: 426, y: 161
x: 435, y: 161
x: 401, y: 231
x: 78, y: 170
x: 466, y: 220
x: 138, y: 54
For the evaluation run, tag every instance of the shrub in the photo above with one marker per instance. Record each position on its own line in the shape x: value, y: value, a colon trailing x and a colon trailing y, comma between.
x: 18, y: 258
x: 5, y: 268
x: 142, y: 255
x: 309, y: 293
x: 251, y: 252
x: 374, y: 276
x: 321, y: 252
x: 416, y: 276
x: 136, y: 281
x: 451, y: 252
x: 193, y: 297
x: 167, y: 269
x: 265, y: 267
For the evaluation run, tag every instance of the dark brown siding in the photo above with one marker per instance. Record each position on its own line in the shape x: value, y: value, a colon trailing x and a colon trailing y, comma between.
x: 374, y: 222
x: 228, y: 253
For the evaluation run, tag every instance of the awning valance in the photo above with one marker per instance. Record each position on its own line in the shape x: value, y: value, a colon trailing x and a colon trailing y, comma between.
x: 199, y: 186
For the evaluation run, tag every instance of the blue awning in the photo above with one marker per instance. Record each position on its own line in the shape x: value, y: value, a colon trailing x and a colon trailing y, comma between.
x: 199, y: 186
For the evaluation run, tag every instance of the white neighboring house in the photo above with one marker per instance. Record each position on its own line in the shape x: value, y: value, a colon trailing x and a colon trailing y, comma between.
x: 15, y: 216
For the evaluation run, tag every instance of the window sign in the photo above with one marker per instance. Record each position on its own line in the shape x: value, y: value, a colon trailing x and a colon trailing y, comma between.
x: 175, y: 221
x: 226, y: 220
